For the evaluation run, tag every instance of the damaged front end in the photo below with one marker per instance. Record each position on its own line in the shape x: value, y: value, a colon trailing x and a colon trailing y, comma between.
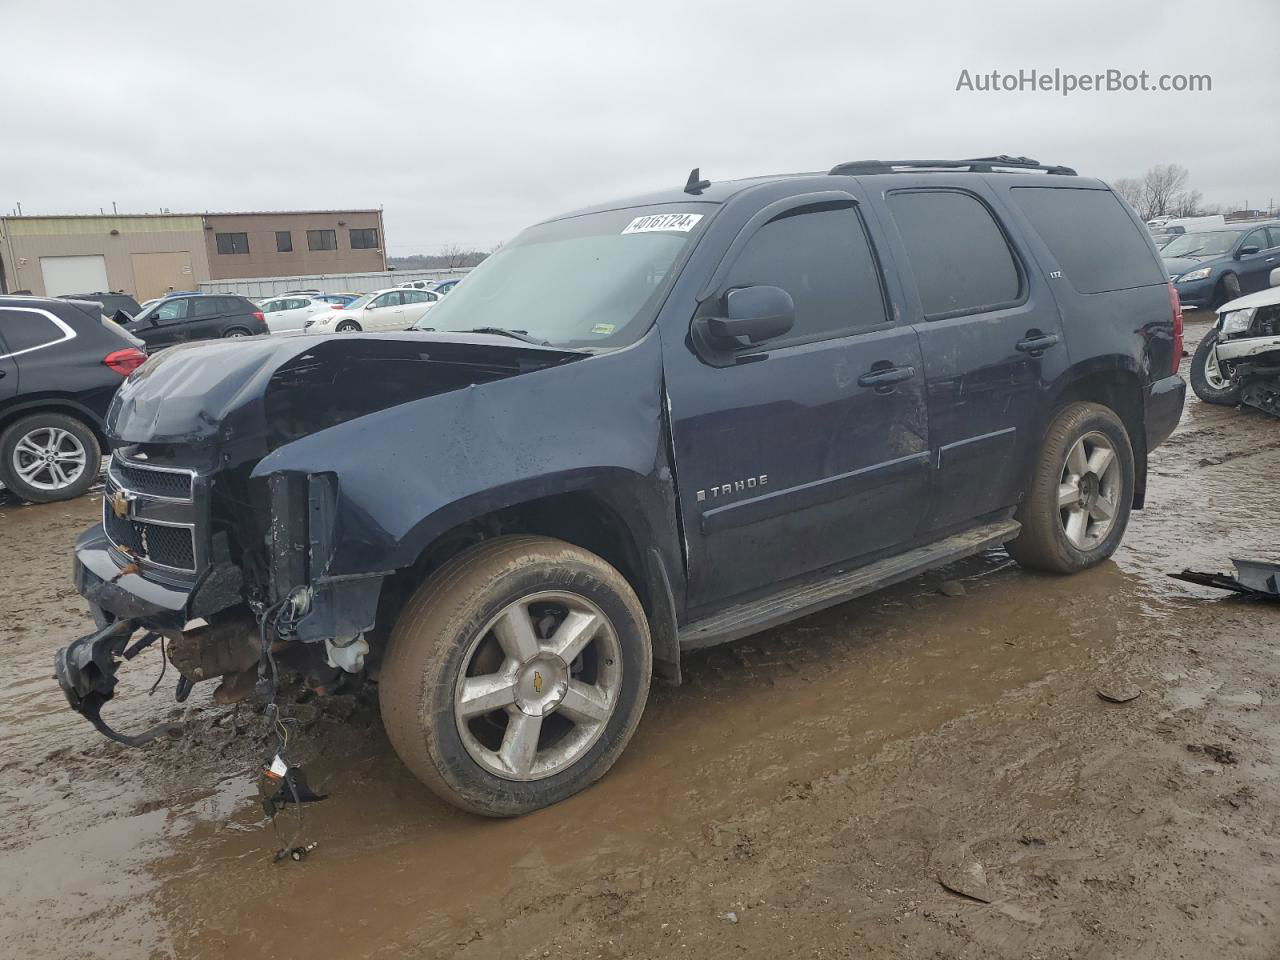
x: 228, y: 566
x: 1247, y: 352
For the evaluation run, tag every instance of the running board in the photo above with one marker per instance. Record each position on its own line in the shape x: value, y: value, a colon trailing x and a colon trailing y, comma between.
x: 749, y: 618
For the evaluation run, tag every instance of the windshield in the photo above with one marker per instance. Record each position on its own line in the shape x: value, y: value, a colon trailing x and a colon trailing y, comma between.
x: 588, y: 281
x: 357, y: 302
x: 1213, y: 243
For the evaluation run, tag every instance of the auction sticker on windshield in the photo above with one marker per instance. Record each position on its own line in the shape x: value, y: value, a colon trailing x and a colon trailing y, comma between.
x: 682, y: 222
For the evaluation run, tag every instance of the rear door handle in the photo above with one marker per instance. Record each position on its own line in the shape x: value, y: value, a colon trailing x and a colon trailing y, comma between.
x: 886, y: 376
x: 1037, y: 344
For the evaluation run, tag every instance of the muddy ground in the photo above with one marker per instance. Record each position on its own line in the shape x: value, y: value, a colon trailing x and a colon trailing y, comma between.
x: 799, y: 796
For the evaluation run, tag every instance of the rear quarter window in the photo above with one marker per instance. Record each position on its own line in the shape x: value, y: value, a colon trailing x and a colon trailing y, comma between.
x: 1097, y: 244
x: 26, y: 329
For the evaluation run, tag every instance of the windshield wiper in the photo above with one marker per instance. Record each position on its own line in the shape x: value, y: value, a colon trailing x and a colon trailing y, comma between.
x: 517, y: 334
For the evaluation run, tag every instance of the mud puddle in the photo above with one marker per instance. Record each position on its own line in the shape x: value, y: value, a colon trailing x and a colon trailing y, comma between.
x: 791, y: 798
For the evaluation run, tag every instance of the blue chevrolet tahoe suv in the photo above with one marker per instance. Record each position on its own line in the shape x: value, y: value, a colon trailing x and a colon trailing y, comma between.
x: 1213, y: 267
x: 637, y: 429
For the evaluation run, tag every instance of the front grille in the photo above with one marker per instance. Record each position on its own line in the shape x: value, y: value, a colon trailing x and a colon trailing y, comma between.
x: 157, y: 483
x: 153, y: 542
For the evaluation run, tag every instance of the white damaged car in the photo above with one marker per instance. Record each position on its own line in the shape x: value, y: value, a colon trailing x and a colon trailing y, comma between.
x: 1238, y: 361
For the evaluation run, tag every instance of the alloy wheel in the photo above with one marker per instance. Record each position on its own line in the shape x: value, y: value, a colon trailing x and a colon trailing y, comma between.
x: 538, y: 686
x: 49, y: 458
x: 1088, y: 491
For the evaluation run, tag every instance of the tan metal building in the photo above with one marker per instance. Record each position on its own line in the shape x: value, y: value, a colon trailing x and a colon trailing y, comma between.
x: 290, y: 244
x: 147, y: 255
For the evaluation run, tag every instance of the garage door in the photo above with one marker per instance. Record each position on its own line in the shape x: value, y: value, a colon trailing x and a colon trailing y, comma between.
x: 64, y: 275
x: 155, y: 274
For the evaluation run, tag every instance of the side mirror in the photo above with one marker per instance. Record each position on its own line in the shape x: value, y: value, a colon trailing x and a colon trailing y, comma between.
x: 153, y: 320
x: 752, y: 316
x: 1275, y: 277
x: 1247, y: 251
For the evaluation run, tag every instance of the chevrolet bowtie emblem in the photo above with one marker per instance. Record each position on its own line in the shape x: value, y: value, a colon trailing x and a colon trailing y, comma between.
x: 120, y: 504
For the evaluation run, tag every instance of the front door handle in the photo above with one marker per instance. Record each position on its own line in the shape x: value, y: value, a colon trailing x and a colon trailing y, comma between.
x: 886, y: 377
x: 1037, y: 343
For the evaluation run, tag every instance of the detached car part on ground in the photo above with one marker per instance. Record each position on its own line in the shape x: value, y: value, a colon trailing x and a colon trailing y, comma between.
x: 633, y: 431
x: 1238, y: 361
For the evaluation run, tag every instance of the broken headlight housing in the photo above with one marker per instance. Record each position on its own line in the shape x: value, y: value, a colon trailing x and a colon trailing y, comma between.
x: 1237, y: 322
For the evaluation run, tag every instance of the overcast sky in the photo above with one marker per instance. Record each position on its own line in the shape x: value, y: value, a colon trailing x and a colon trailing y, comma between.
x: 469, y: 121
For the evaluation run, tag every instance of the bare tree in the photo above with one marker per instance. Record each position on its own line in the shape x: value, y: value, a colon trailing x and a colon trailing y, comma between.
x: 1160, y: 187
x: 1129, y: 190
x: 454, y: 256
x: 1189, y: 203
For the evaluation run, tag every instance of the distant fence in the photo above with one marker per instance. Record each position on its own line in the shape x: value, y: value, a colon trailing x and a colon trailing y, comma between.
x: 259, y: 287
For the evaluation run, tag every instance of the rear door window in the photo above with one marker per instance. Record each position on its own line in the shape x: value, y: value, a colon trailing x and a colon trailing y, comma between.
x: 208, y: 307
x: 822, y: 257
x: 958, y: 253
x: 1093, y: 238
x: 28, y: 329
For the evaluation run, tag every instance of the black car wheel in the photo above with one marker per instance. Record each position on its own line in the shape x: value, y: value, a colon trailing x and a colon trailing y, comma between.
x: 1228, y: 289
x: 49, y: 456
x: 348, y: 326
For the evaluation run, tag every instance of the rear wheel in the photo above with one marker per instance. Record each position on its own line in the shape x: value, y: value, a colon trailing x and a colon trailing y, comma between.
x: 516, y: 674
x: 1208, y: 380
x: 1076, y: 510
x: 236, y: 332
x: 348, y: 326
x: 49, y: 456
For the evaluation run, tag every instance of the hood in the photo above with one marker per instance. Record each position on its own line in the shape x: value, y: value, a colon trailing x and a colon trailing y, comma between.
x: 1177, y: 266
x: 265, y: 391
x: 1263, y: 298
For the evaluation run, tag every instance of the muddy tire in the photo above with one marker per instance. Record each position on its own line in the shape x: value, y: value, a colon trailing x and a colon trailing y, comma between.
x: 516, y: 674
x: 1206, y: 380
x: 49, y: 456
x: 1076, y: 510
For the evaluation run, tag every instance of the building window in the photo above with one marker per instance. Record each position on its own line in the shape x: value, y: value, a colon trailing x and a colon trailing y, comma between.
x: 364, y: 239
x: 322, y: 239
x: 233, y: 243
x: 284, y: 241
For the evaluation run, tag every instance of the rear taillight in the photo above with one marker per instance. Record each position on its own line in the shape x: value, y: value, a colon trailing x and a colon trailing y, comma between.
x: 1175, y: 304
x: 125, y: 361
x: 257, y: 315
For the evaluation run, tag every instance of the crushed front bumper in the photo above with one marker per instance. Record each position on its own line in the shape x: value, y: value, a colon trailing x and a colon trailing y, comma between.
x: 86, y: 671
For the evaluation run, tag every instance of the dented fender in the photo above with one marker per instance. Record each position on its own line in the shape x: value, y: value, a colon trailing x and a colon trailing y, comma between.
x: 377, y: 490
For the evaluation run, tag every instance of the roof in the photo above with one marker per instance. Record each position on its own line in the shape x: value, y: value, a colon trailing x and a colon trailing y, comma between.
x: 882, y: 173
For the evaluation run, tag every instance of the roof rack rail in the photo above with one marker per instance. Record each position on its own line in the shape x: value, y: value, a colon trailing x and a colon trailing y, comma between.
x: 859, y: 168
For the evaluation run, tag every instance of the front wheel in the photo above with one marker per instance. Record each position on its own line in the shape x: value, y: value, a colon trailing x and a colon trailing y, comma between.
x: 348, y: 326
x: 1076, y: 510
x: 1208, y: 380
x: 1228, y: 289
x: 516, y: 674
x: 49, y: 456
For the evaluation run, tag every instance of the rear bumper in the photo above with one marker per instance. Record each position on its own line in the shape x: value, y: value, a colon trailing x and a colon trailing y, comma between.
x: 1164, y: 409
